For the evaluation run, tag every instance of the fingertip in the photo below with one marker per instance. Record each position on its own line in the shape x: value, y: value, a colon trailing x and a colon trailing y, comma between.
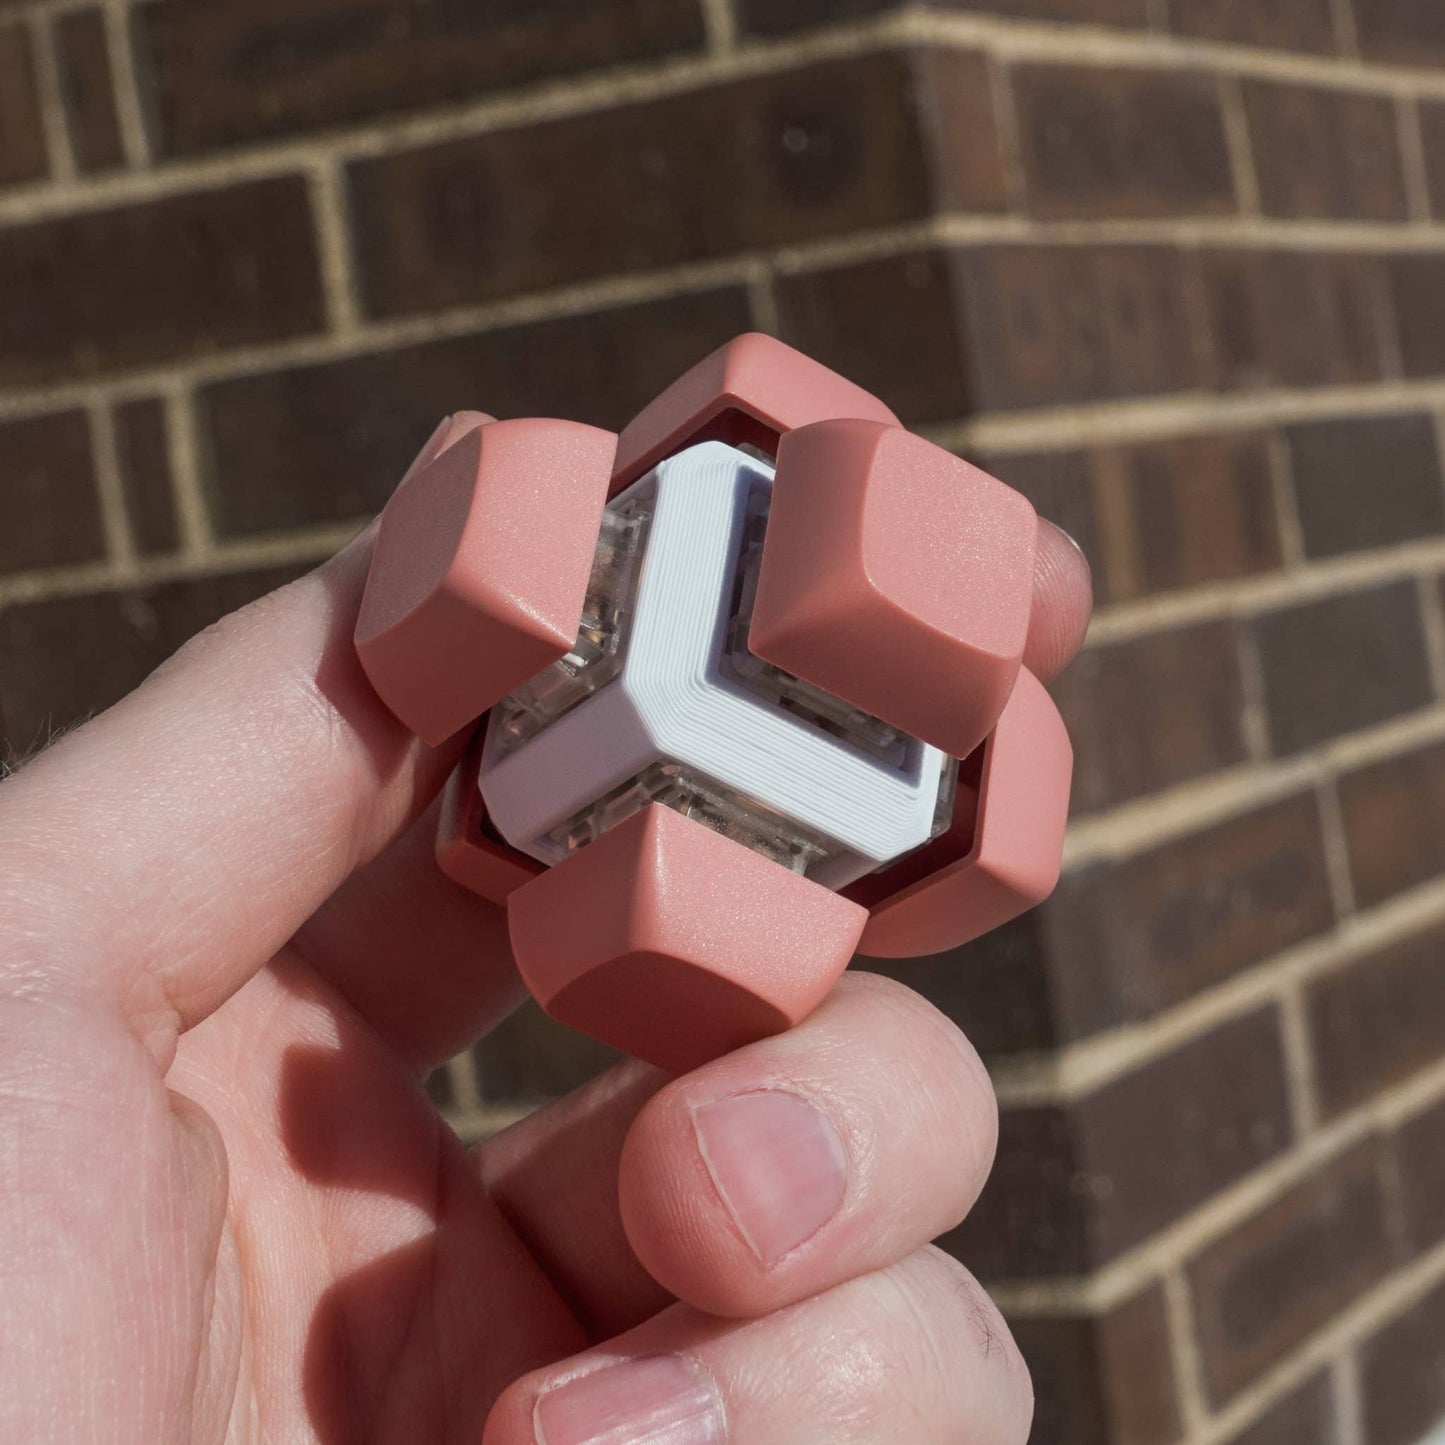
x: 1063, y: 602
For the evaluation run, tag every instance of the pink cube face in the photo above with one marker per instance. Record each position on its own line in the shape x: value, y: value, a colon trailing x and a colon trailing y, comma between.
x: 481, y: 568
x: 897, y: 577
x: 749, y: 392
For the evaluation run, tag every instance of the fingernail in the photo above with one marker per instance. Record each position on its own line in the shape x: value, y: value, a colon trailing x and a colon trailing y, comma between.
x: 778, y: 1164
x: 657, y: 1401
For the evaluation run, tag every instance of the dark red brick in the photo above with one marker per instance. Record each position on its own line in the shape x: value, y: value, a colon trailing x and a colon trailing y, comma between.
x: 1420, y: 1155
x: 773, y: 17
x: 1049, y: 325
x: 1326, y: 153
x: 228, y: 73
x: 832, y: 148
x: 159, y: 281
x: 1403, y: 1374
x: 1280, y: 318
x: 1374, y: 667
x: 1407, y: 32
x: 1378, y: 1019
x: 530, y: 1060
x: 1073, y: 1189
x: 1128, y: 939
x: 1186, y: 511
x: 1265, y: 1287
x: 22, y: 136
x: 64, y: 659
x: 48, y: 495
x: 1306, y: 1416
x: 1394, y: 817
x: 143, y: 447
x: 350, y: 428
x: 82, y: 54
x: 1153, y: 712
x: 1282, y: 24
x: 1364, y: 482
x: 1107, y: 142
x: 1417, y: 290
x: 890, y: 325
x: 1103, y: 1378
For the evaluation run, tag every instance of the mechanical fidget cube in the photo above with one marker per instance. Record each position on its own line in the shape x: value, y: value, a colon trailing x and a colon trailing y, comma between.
x: 746, y: 690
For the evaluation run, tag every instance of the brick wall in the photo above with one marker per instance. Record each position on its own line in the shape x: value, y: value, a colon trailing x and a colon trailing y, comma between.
x: 1174, y: 267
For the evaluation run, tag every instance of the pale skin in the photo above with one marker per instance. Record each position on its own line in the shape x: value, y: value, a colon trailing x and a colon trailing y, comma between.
x: 228, y: 1211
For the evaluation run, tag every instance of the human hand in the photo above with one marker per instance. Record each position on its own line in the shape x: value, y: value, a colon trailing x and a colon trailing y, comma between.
x: 228, y: 1210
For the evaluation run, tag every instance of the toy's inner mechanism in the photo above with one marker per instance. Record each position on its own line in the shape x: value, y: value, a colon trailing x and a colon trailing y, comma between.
x: 660, y: 701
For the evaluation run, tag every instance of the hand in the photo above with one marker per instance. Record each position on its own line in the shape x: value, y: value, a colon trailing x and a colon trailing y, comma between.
x: 227, y: 1210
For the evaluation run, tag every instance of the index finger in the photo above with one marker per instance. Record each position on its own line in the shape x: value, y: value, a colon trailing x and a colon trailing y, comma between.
x: 166, y: 850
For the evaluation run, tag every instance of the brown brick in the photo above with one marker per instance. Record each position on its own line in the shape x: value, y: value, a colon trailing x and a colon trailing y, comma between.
x: 62, y: 660
x: 47, y: 492
x: 1050, y: 325
x: 1265, y: 1287
x: 773, y: 17
x: 1186, y: 511
x: 832, y: 148
x: 22, y: 137
x: 1377, y: 1020
x: 1403, y: 1374
x: 1126, y: 940
x: 158, y: 281
x: 1327, y: 153
x: 350, y: 428
x: 1074, y: 1189
x: 1420, y: 1152
x: 83, y: 56
x: 1374, y: 667
x: 1306, y: 1416
x: 1105, y: 1378
x: 1106, y: 142
x: 1408, y: 32
x: 145, y: 467
x: 1279, y: 318
x: 1154, y: 711
x: 228, y: 73
x: 530, y: 1060
x: 1394, y: 816
x: 1417, y: 289
x: 1282, y: 24
x: 1432, y: 135
x: 1364, y: 482
x: 1060, y: 485
x: 891, y: 325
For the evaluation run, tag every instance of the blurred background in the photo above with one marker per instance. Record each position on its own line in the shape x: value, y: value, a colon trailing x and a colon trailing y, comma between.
x: 1172, y: 267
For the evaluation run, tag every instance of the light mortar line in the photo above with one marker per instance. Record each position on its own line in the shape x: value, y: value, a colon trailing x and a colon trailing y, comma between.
x: 1281, y: 468
x: 466, y: 1088
x: 1412, y: 158
x: 1256, y: 701
x: 1349, y: 1400
x: 1299, y: 1063
x: 1337, y: 848
x: 1006, y: 118
x: 1081, y: 1069
x: 722, y: 25
x: 53, y: 119
x: 327, y: 185
x: 1174, y: 1247
x: 183, y: 440
x: 762, y: 299
x: 1434, y: 628
x: 1240, y: 144
x: 1184, y: 1351
x: 130, y: 113
x: 115, y: 517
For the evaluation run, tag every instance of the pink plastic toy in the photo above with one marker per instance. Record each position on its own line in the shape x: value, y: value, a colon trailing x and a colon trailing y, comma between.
x: 746, y: 694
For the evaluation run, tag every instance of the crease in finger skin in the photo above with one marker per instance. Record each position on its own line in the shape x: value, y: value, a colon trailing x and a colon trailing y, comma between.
x: 651, y: 1400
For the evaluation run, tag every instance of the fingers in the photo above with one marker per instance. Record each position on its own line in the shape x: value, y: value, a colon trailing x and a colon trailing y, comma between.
x: 916, y: 1352
x: 763, y: 1178
x: 161, y: 853
x: 1063, y: 600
